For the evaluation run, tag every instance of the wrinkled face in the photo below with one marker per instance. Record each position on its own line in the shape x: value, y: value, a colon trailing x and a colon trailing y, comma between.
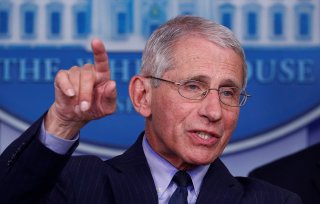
x: 194, y: 132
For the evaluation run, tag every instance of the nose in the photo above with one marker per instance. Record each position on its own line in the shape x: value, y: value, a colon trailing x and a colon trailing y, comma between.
x: 211, y: 107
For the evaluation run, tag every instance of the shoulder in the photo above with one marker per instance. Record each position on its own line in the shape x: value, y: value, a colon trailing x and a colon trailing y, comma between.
x: 255, y: 188
x: 84, y: 179
x: 297, y: 163
x: 85, y: 160
x: 242, y: 189
x: 84, y: 171
x: 89, y: 163
x: 89, y: 168
x: 256, y: 185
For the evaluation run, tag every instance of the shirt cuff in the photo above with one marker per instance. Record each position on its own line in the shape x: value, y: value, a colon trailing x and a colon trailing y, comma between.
x: 54, y: 143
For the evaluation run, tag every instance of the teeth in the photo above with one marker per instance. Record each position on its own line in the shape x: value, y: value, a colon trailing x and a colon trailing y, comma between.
x: 204, y: 135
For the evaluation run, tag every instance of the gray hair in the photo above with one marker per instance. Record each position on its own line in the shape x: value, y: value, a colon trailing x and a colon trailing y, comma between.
x: 158, y: 56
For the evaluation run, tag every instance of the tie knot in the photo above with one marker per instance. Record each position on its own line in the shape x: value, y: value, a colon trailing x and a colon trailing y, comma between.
x: 182, y: 179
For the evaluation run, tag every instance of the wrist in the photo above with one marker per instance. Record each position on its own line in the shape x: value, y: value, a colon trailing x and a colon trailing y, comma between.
x: 56, y: 125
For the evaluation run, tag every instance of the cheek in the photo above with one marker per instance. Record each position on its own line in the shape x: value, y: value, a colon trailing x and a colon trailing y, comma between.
x: 171, y: 121
x: 169, y: 106
x: 163, y: 111
x: 231, y: 119
x: 172, y: 115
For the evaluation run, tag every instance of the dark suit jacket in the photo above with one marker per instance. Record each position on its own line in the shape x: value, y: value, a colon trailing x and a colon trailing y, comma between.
x: 299, y: 172
x: 31, y: 173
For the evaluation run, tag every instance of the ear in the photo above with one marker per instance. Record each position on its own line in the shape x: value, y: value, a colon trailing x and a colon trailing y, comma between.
x: 140, y: 94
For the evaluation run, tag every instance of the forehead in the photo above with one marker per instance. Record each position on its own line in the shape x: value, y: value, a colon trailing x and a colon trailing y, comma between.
x: 195, y: 56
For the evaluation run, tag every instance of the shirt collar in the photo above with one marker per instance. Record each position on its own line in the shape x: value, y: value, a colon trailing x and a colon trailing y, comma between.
x: 162, y: 171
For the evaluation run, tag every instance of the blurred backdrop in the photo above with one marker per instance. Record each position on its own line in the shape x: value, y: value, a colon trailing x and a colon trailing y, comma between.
x: 281, y: 40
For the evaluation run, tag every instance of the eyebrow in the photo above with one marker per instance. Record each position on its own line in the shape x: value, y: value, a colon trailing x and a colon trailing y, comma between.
x: 206, y: 79
x: 230, y: 83
x: 201, y: 78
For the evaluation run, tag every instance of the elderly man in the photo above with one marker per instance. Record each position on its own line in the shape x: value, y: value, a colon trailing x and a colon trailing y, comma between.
x: 189, y: 91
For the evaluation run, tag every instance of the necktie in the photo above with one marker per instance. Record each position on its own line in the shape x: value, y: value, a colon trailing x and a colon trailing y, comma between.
x: 180, y: 195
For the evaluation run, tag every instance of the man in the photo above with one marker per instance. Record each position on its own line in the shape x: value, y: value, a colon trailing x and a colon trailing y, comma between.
x: 298, y: 172
x: 189, y: 91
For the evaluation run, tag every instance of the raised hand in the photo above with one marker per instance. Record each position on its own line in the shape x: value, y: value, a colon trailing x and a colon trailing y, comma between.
x: 82, y: 94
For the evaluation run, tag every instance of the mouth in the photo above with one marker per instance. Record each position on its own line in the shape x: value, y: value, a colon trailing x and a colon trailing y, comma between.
x: 204, y: 135
x: 206, y: 138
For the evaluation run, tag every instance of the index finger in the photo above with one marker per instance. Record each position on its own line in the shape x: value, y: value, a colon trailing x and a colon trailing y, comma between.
x: 100, y: 57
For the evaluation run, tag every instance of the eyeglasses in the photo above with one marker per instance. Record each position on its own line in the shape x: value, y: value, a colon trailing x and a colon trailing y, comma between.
x: 197, y: 90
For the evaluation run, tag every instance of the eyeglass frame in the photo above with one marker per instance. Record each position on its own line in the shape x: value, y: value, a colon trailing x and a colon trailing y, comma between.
x: 206, y: 92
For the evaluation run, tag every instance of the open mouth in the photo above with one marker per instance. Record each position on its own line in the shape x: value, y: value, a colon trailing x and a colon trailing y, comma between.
x: 204, y: 135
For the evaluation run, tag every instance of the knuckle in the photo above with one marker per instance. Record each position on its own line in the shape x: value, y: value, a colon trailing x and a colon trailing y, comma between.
x: 87, y: 65
x: 87, y: 72
x: 74, y: 69
x: 60, y: 75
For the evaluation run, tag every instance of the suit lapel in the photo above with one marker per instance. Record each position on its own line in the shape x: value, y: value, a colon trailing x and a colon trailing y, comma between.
x: 134, y: 169
x: 219, y: 186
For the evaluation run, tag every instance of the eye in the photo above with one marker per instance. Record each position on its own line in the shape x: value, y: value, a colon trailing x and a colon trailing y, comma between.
x: 193, y: 86
x: 228, y: 92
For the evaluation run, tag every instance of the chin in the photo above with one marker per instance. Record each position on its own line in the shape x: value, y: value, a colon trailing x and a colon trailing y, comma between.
x: 202, y: 161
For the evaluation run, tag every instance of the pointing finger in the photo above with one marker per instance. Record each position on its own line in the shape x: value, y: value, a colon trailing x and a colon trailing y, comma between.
x: 100, y: 58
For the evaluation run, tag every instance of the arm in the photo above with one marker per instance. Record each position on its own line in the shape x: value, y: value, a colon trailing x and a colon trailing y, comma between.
x: 28, y: 169
x: 27, y: 166
x: 82, y: 94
